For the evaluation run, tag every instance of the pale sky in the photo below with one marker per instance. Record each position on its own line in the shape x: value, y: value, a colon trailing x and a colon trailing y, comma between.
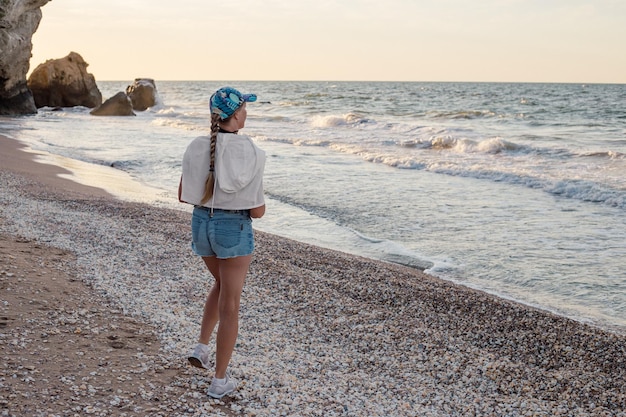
x: 581, y: 41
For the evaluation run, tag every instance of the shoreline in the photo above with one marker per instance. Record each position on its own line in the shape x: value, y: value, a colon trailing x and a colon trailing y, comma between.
x: 394, y: 341
x: 75, y: 175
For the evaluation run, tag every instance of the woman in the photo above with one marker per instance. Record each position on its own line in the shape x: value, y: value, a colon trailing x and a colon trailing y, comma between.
x: 223, y: 178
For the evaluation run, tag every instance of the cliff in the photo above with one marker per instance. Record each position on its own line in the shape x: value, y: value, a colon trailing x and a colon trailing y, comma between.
x: 19, y: 19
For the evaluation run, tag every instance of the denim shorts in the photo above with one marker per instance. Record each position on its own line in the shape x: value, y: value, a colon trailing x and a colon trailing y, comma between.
x: 224, y: 235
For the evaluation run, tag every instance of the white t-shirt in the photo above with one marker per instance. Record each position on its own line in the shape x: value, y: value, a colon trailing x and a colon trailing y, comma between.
x: 239, y: 166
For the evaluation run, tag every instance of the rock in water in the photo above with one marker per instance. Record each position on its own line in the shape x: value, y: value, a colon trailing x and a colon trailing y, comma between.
x: 64, y: 82
x: 142, y: 93
x: 19, y: 19
x: 118, y: 105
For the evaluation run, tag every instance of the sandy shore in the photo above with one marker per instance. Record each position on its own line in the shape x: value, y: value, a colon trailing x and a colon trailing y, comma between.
x: 100, y: 301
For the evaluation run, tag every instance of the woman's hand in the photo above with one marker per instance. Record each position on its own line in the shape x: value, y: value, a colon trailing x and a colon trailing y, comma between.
x: 257, y: 212
x: 180, y: 189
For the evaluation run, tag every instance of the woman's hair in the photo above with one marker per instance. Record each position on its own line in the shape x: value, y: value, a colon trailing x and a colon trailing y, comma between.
x: 210, y: 181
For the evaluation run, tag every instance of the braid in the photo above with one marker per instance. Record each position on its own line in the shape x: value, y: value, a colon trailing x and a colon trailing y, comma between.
x: 215, y: 127
x: 210, y: 181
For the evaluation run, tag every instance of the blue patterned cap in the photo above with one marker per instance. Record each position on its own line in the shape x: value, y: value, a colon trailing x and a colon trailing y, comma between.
x: 225, y: 101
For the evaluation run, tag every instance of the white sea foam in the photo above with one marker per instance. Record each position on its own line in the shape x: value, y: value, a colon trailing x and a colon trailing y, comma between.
x: 348, y: 119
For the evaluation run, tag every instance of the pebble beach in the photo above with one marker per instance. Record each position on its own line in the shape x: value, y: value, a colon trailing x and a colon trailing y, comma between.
x: 100, y: 301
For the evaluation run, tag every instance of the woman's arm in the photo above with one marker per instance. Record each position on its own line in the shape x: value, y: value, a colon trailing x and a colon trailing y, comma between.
x: 257, y: 212
x: 180, y: 189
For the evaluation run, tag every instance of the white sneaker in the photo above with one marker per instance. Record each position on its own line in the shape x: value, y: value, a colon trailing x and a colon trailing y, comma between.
x: 217, y: 390
x: 199, y: 357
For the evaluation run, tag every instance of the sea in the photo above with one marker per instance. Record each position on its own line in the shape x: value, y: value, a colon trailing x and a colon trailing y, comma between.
x: 516, y: 189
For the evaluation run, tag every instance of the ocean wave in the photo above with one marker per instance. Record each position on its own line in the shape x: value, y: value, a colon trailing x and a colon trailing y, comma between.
x: 294, y: 141
x: 291, y: 103
x: 463, y: 145
x: 462, y: 114
x: 411, y: 143
x: 178, y: 123
x: 395, y: 162
x: 583, y: 190
x: 348, y: 119
x: 527, y: 102
x: 168, y: 112
x: 319, y: 142
x: 269, y: 118
x: 73, y: 109
x: 315, y: 95
x: 588, y: 191
x: 613, y: 155
x: 489, y: 146
x: 492, y: 159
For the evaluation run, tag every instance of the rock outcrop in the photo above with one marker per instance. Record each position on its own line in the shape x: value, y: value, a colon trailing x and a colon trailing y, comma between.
x: 118, y: 105
x: 19, y: 19
x: 64, y: 82
x: 142, y: 93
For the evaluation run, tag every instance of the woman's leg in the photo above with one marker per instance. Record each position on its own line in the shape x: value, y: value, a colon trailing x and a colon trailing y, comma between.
x: 210, y: 315
x: 232, y: 273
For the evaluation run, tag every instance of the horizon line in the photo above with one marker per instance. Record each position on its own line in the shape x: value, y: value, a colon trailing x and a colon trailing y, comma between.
x: 373, y: 81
